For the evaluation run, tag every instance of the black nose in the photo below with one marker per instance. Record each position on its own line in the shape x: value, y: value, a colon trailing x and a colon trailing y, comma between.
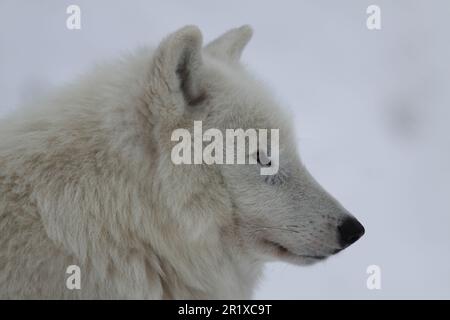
x: 350, y: 230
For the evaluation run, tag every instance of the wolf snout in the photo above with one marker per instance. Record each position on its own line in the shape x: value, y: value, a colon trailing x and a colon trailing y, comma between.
x: 350, y: 230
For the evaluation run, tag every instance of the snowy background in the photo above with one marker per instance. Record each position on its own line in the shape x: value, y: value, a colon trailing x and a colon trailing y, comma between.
x: 372, y: 113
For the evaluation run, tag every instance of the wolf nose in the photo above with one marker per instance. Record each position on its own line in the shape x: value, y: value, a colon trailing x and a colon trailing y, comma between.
x: 350, y: 230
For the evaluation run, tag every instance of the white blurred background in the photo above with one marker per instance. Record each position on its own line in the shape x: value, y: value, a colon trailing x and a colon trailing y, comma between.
x: 372, y: 112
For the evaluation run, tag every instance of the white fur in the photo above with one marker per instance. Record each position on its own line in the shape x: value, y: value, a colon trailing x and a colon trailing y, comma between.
x: 86, y: 179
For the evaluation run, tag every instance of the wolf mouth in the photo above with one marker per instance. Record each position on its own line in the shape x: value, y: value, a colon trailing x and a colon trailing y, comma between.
x: 283, y: 251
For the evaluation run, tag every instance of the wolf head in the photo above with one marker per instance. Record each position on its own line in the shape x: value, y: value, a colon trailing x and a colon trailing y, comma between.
x: 287, y: 215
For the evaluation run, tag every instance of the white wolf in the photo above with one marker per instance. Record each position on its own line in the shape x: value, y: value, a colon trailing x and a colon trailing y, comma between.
x: 86, y: 179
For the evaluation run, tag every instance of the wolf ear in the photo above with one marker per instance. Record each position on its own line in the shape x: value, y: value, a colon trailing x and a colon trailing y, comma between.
x: 230, y: 45
x: 175, y: 70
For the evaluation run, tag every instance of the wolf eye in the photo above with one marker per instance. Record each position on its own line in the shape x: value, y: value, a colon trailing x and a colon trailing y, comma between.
x: 264, y: 162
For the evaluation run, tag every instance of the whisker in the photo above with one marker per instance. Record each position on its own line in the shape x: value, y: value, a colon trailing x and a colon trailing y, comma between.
x: 275, y: 228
